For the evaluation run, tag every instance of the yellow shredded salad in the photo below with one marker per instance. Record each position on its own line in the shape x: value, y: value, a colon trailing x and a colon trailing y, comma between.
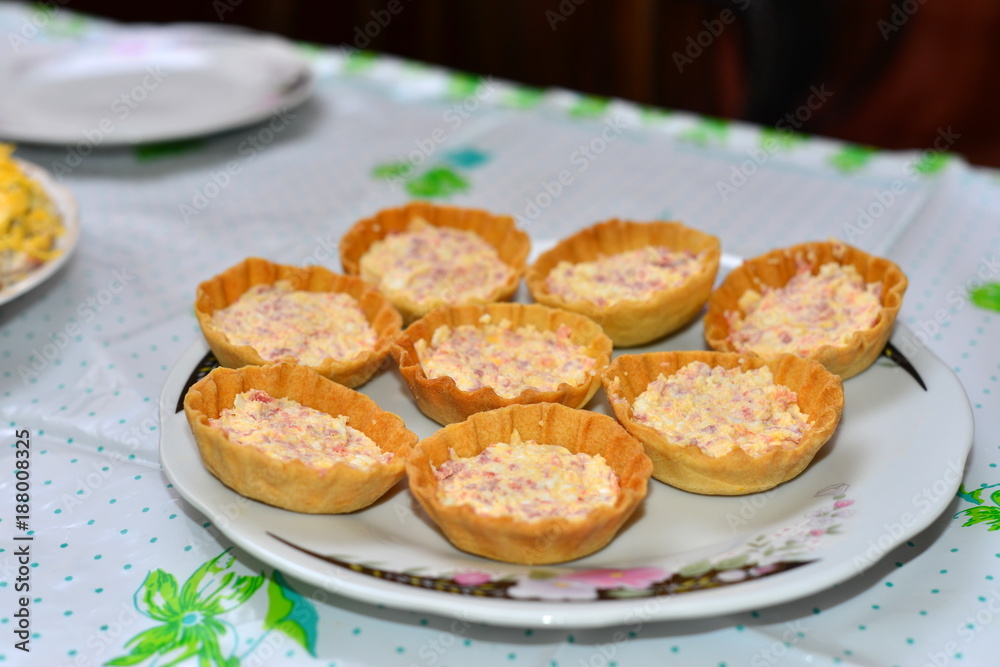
x: 29, y: 222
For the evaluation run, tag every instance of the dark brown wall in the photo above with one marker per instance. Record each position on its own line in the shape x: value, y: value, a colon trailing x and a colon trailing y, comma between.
x: 898, y: 72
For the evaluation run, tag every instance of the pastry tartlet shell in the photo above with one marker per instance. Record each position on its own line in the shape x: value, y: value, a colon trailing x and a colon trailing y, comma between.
x: 774, y: 269
x: 227, y: 287
x: 500, y: 231
x: 292, y: 484
x: 820, y: 396
x: 550, y: 540
x: 442, y: 400
x: 631, y: 323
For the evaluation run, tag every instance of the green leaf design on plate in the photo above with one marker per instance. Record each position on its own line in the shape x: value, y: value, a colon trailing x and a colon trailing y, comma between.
x: 732, y: 563
x: 309, y: 50
x: 624, y: 593
x: 987, y: 296
x: 437, y: 182
x: 696, y: 569
x: 852, y: 158
x: 931, y: 162
x: 290, y: 613
x: 590, y: 106
x: 542, y: 574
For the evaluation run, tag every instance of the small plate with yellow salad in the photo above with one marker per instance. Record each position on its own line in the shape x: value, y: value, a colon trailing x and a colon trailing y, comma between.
x: 39, y: 225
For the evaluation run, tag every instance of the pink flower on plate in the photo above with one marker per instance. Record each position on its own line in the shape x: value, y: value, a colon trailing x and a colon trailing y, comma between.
x: 636, y: 577
x: 816, y: 532
x: 472, y: 578
x: 843, y: 503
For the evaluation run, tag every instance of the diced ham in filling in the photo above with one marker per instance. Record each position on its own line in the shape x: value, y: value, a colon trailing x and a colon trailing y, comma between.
x: 809, y: 311
x: 433, y: 266
x: 718, y: 409
x: 507, y: 359
x: 527, y: 481
x: 284, y: 430
x: 279, y: 321
x: 634, y: 275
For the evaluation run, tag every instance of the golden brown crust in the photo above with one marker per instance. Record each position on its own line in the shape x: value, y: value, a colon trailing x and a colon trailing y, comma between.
x: 546, y: 540
x: 632, y: 323
x: 225, y: 288
x: 294, y: 485
x: 442, y: 400
x: 776, y: 268
x: 820, y: 397
x: 500, y: 231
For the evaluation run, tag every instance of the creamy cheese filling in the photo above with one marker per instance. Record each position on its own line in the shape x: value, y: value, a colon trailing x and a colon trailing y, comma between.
x: 718, y: 409
x: 527, y: 481
x: 432, y: 266
x: 509, y: 360
x: 286, y: 430
x: 809, y: 311
x: 634, y: 275
x: 279, y: 321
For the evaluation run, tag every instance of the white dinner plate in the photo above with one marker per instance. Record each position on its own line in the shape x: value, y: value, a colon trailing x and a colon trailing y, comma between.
x: 892, y: 467
x: 148, y: 84
x: 66, y: 205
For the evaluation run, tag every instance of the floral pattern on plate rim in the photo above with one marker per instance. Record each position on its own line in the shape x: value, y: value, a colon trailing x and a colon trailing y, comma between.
x: 764, y: 555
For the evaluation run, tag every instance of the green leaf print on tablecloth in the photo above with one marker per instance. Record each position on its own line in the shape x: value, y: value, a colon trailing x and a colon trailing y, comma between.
x: 707, y: 131
x: 774, y: 139
x: 589, y: 106
x: 190, y: 617
x: 986, y: 296
x: 852, y: 158
x: 439, y: 181
x: 981, y: 513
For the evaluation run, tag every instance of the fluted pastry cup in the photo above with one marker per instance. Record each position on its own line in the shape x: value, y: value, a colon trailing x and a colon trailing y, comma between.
x: 227, y: 287
x: 292, y: 484
x: 548, y: 540
x: 820, y: 396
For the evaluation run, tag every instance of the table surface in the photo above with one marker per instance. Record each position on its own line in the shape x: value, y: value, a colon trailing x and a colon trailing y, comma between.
x: 378, y: 132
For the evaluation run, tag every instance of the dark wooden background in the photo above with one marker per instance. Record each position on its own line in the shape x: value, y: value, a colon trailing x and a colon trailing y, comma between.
x: 901, y: 72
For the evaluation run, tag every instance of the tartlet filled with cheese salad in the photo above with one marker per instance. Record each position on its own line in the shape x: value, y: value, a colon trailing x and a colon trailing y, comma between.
x: 826, y: 301
x: 423, y: 256
x: 285, y: 435
x: 530, y: 484
x: 722, y: 423
x: 639, y: 280
x: 466, y: 359
x: 259, y: 312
